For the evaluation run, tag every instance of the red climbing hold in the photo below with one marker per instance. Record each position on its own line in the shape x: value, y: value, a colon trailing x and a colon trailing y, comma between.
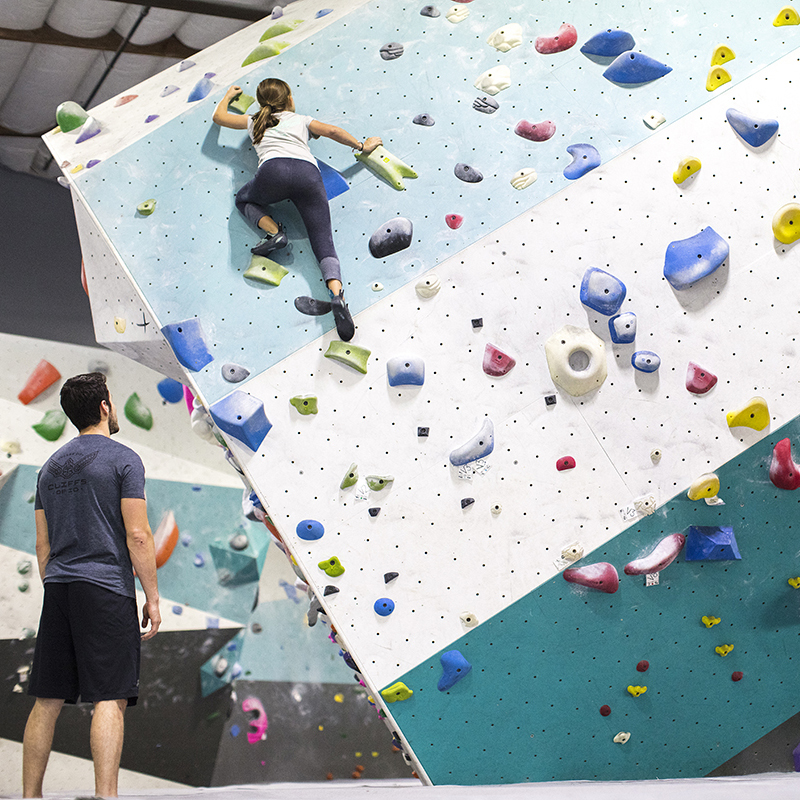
x: 563, y: 40
x: 83, y: 279
x: 643, y: 666
x: 783, y: 472
x: 454, y: 221
x: 605, y: 710
x: 495, y: 362
x: 601, y: 576
x: 125, y: 99
x: 565, y: 462
x: 535, y: 131
x: 737, y: 676
x: 41, y: 378
x: 699, y: 380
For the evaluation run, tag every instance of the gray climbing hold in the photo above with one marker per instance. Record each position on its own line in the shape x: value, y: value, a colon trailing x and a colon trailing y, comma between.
x: 468, y: 174
x: 430, y: 11
x: 373, y: 512
x: 549, y: 399
x: 312, y: 306
x: 466, y: 502
x: 391, y: 51
x: 239, y: 541
x: 486, y: 105
x: 423, y: 431
x: 479, y: 446
x: 424, y: 119
x: 392, y: 237
x: 234, y: 373
x: 388, y: 577
x: 329, y: 590
x: 477, y: 323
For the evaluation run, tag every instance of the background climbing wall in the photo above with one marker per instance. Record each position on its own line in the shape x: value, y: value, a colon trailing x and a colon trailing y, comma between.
x: 519, y: 270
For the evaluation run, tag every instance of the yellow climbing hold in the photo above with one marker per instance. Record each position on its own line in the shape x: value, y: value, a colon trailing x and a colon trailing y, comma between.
x: 120, y: 324
x: 787, y: 16
x: 722, y: 54
x: 397, y: 691
x: 706, y: 485
x: 338, y: 698
x: 786, y: 223
x: 387, y: 166
x: 265, y: 270
x: 754, y: 415
x: 710, y: 622
x: 636, y: 690
x: 279, y: 29
x: 688, y: 167
x: 76, y: 168
x: 716, y: 77
x: 794, y: 583
x: 723, y: 649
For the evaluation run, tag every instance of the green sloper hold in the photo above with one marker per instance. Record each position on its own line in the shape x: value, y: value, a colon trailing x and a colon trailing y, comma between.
x: 138, y: 413
x: 350, y: 354
x: 305, y: 404
x: 351, y: 478
x: 265, y: 270
x: 70, y: 116
x: 386, y: 166
x: 378, y: 482
x: 279, y: 28
x: 51, y: 425
x: 265, y: 51
x: 242, y: 103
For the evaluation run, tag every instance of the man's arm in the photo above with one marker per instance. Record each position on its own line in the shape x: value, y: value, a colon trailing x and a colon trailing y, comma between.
x: 42, y: 542
x: 143, y: 557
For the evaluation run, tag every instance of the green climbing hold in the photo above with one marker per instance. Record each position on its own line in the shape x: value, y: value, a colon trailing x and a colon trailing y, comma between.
x: 52, y: 425
x: 331, y: 566
x: 138, y: 413
x: 378, y: 482
x: 263, y: 51
x: 351, y: 478
x: 147, y: 207
x: 350, y: 354
x: 265, y: 270
x: 242, y: 103
x: 70, y: 116
x: 305, y: 404
x: 279, y: 28
x: 386, y: 166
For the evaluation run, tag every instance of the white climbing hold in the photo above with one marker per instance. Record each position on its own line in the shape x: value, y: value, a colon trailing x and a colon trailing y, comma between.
x: 572, y: 552
x: 622, y: 737
x: 494, y: 80
x: 506, y: 37
x: 468, y: 619
x: 653, y: 119
x: 429, y: 286
x: 645, y: 505
x: 523, y: 178
x: 576, y: 359
x: 377, y: 286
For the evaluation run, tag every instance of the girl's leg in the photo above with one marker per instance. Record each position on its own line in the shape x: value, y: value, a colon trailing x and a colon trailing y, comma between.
x: 268, y: 225
x: 251, y: 200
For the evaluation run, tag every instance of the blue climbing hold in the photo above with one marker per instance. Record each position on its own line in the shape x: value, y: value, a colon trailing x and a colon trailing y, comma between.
x: 584, y: 158
x: 242, y: 416
x: 711, y: 543
x: 332, y: 179
x: 188, y: 343
x: 635, y: 68
x: 753, y: 130
x: 454, y: 668
x: 601, y: 291
x: 689, y: 260
x: 645, y: 361
x: 171, y: 390
x: 623, y: 328
x: 310, y: 530
x: 608, y: 43
x: 384, y: 606
x: 405, y: 371
x: 479, y: 446
x: 201, y: 88
x: 322, y: 12
x: 169, y: 89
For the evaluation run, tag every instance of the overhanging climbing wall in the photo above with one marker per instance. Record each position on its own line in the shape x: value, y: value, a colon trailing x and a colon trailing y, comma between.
x: 545, y: 655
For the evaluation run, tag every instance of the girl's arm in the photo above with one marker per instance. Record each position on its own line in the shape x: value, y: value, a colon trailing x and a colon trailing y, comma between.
x: 224, y: 117
x: 317, y: 128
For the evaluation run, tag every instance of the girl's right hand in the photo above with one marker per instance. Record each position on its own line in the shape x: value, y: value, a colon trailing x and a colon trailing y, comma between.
x: 233, y: 91
x: 370, y: 144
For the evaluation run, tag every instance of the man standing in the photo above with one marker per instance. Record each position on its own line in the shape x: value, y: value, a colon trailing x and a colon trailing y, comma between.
x: 91, y: 532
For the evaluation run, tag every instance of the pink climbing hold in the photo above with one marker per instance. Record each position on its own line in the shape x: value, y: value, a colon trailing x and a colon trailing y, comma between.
x: 454, y: 221
x: 666, y: 551
x: 565, y: 462
x: 601, y: 576
x: 189, y: 398
x: 783, y: 472
x: 535, y: 131
x: 125, y: 99
x: 496, y: 362
x: 563, y: 40
x: 260, y: 723
x: 699, y: 380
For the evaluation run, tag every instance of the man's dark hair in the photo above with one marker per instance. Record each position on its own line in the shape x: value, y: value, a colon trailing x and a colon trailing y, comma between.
x: 81, y: 397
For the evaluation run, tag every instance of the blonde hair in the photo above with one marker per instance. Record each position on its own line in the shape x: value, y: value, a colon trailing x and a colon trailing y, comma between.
x: 273, y: 96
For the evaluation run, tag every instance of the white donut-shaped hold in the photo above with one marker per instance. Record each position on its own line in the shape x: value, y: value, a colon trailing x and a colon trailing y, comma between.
x: 576, y: 359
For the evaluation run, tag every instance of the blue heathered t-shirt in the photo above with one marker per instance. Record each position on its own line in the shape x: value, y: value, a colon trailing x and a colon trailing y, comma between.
x: 80, y: 488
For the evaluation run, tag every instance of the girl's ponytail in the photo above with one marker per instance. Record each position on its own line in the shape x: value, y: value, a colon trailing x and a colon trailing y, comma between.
x: 273, y: 96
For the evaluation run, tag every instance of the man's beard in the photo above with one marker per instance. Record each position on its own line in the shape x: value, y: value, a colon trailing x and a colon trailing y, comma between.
x: 113, y: 425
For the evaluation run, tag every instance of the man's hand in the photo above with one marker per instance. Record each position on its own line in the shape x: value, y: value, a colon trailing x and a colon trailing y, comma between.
x: 152, y: 614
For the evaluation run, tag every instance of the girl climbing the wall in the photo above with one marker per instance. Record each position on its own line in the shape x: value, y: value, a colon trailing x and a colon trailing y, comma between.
x: 288, y: 171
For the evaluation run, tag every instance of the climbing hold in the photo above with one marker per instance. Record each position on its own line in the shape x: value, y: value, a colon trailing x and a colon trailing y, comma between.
x: 506, y: 38
x: 126, y: 98
x: 756, y: 132
x: 147, y: 207
x: 493, y: 80
x: 608, y: 43
x: 397, y: 691
x: 645, y: 361
x: 391, y: 51
x: 428, y: 287
x: 259, y: 723
x: 635, y: 68
x: 381, y: 162
x: 77, y: 168
x: 188, y: 343
x: 425, y: 120
x: 787, y: 16
x: 52, y: 424
x: 707, y: 485
x: 495, y: 362
x: 138, y: 413
x: 94, y: 162
x: 329, y: 590
x: 523, y: 178
x: 722, y: 54
x: 185, y: 64
x: 711, y: 543
x: 717, y: 76
x: 69, y: 116
x: 120, y: 324
x: 454, y: 221
x: 602, y: 576
x: 664, y: 553
x: 496, y: 509
x: 754, y: 414
x: 710, y: 622
x: 572, y: 552
x: 737, y: 676
x: 468, y: 619
x: 585, y: 158
x: 655, y: 456
x: 466, y: 502
x: 601, y: 291
x: 388, y: 577
x: 306, y: 404
x: 265, y: 270
x: 486, y: 105
x: 479, y: 446
x: 350, y: 354
x: 378, y: 482
x: 563, y: 40
x: 89, y: 129
x: 468, y: 174
x: 430, y: 11
x: 148, y: 118
x: 564, y: 463
x: 622, y: 328
x: 622, y: 737
x: 234, y: 373
x: 783, y: 472
x: 454, y: 668
x: 645, y: 504
x: 794, y: 583
x: 373, y: 512
x: 239, y: 542
x: 535, y: 131
x: 786, y: 223
x: 377, y: 287
x: 350, y: 478
x: 477, y: 323
x: 241, y: 103
x: 643, y: 666
x: 688, y: 166
x: 423, y: 432
x: 405, y: 371
x: 653, y: 119
x: 171, y: 390
x: 242, y: 416
x: 11, y: 448
x: 636, y: 691
x: 280, y: 28
x: 201, y: 88
x: 689, y: 260
x: 383, y: 606
x: 723, y: 649
x: 42, y: 377
x: 263, y: 51
x: 331, y: 567
x: 457, y: 14
x: 699, y: 380
x: 168, y: 89
x: 576, y: 358
x: 322, y: 12
x: 605, y: 711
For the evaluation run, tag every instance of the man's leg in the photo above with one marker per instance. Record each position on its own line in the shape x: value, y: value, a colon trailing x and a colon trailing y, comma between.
x: 108, y: 728
x: 36, y: 744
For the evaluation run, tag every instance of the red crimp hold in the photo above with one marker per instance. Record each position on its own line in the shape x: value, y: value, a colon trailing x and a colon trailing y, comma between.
x: 44, y: 376
x: 737, y: 676
x: 643, y: 666
x: 601, y: 576
x: 454, y: 221
x: 783, y: 472
x: 699, y: 380
x: 565, y: 462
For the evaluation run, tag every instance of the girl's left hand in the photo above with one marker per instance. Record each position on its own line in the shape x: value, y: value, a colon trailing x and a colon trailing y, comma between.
x: 233, y: 91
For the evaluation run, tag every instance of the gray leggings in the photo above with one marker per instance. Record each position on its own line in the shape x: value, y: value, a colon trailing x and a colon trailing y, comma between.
x: 301, y: 182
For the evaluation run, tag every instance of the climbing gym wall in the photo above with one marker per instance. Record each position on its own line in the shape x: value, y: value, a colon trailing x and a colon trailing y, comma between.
x: 572, y: 368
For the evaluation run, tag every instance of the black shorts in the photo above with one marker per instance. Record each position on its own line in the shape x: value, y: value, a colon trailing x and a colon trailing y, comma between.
x: 88, y: 645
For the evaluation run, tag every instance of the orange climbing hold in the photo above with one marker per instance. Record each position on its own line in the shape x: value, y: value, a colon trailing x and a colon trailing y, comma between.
x: 165, y: 538
x: 44, y: 376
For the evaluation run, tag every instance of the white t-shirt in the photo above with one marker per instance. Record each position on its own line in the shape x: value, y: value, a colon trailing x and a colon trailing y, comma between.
x: 288, y: 139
